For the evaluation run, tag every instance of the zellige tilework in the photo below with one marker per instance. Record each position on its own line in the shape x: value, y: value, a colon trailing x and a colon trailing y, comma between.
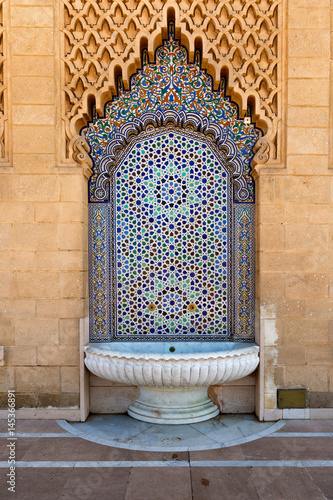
x: 171, y: 209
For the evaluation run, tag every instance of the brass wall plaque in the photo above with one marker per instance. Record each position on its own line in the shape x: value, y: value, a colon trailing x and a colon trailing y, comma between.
x: 291, y: 398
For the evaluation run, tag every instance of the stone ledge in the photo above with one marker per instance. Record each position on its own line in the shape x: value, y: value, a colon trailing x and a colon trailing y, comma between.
x: 298, y: 414
x: 74, y: 414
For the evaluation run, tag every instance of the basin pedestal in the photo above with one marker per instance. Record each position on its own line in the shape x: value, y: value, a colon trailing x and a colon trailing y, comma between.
x: 173, y: 406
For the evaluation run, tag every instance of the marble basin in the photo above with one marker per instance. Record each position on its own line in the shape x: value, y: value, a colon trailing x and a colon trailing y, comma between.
x: 173, y: 377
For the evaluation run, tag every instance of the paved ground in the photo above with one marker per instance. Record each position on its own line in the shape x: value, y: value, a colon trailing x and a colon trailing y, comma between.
x: 295, y: 462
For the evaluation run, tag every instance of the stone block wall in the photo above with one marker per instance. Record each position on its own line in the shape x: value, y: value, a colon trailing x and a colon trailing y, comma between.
x: 43, y: 225
x: 43, y: 222
x: 233, y: 397
x: 295, y: 215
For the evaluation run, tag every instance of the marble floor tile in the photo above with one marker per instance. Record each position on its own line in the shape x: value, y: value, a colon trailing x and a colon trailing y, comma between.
x: 3, y: 425
x: 119, y: 427
x: 293, y: 448
x: 22, y: 446
x: 159, y: 484
x: 46, y: 449
x: 308, y: 426
x: 161, y: 455
x: 219, y: 431
x: 33, y: 484
x: 172, y: 437
x: 287, y: 483
x: 96, y: 484
x: 38, y: 426
x: 214, y: 483
x: 323, y: 479
x: 117, y: 420
x: 230, y: 453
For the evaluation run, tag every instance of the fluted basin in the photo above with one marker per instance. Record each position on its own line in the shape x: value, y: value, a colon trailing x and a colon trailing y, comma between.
x: 173, y: 377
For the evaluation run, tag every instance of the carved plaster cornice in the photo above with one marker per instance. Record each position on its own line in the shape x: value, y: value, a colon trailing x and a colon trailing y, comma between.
x: 240, y: 40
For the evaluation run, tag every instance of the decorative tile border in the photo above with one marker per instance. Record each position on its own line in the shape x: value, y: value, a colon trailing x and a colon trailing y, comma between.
x: 244, y: 272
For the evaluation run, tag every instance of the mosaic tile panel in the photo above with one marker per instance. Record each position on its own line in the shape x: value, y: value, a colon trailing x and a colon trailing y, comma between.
x: 172, y: 238
x: 172, y: 254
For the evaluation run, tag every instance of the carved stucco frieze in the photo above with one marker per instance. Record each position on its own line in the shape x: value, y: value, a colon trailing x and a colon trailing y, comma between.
x: 240, y: 40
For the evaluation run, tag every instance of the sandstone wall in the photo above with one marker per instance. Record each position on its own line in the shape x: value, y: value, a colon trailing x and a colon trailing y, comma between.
x: 43, y: 214
x: 295, y: 260
x: 43, y: 220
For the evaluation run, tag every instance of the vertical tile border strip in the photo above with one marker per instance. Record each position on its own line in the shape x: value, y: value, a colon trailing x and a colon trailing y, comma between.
x: 244, y: 272
x: 100, y: 284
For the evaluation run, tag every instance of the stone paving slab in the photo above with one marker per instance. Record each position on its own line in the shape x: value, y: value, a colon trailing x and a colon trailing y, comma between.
x: 267, y: 468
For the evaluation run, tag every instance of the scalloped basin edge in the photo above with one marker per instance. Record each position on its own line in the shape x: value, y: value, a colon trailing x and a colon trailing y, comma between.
x: 173, y: 385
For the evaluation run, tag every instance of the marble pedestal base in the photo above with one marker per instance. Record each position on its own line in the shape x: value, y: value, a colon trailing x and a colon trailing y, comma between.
x: 173, y: 406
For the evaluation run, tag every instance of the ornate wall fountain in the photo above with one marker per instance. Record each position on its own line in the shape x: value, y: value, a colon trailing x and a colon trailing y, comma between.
x: 171, y: 208
x: 171, y: 238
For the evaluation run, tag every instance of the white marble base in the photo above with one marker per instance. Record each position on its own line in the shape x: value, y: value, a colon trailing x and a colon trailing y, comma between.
x: 173, y: 406
x: 122, y: 431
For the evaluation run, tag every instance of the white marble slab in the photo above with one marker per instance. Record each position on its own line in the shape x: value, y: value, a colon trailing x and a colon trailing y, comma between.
x: 122, y: 431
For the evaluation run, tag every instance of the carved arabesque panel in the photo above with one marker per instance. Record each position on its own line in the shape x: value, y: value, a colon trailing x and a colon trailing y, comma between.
x: 102, y: 39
